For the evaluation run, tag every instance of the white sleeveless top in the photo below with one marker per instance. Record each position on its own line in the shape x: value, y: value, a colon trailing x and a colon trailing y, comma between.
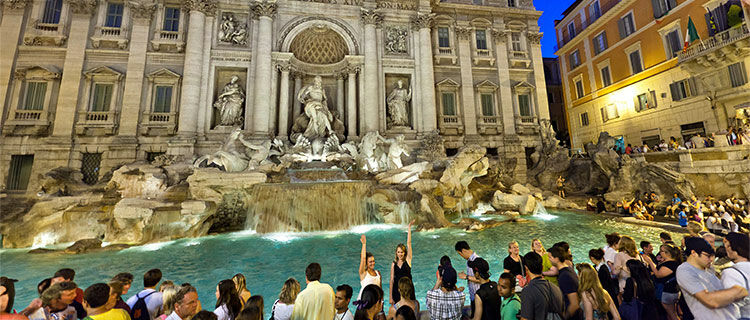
x: 368, y: 280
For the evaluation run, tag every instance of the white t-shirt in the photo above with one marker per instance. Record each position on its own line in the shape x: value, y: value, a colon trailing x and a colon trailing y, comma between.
x: 731, y: 277
x: 347, y: 315
x: 609, y: 254
x: 222, y: 313
x: 282, y: 311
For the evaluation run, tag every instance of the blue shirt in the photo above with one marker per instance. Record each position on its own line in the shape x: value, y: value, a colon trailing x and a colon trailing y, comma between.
x: 676, y: 200
x: 682, y: 219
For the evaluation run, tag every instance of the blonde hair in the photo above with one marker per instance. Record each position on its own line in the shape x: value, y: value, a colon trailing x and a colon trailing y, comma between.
x: 406, y: 288
x: 289, y: 291
x: 627, y: 245
x: 588, y: 281
x: 239, y: 281
x: 540, y: 244
x: 403, y: 248
x: 169, y: 293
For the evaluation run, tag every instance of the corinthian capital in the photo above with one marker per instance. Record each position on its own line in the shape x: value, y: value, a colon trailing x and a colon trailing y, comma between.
x: 82, y: 6
x: 464, y: 32
x: 265, y: 9
x: 534, y: 37
x: 142, y: 9
x: 206, y: 6
x: 499, y: 35
x: 423, y: 20
x: 371, y: 17
x: 15, y: 4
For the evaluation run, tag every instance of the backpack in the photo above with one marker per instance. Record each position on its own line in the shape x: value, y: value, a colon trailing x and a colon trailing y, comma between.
x: 140, y: 309
x: 551, y: 315
x: 631, y: 310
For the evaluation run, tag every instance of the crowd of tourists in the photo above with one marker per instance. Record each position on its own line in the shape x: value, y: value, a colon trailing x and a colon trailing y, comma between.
x: 731, y: 136
x: 694, y: 278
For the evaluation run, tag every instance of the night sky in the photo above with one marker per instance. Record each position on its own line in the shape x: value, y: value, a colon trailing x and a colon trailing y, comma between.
x: 552, y: 10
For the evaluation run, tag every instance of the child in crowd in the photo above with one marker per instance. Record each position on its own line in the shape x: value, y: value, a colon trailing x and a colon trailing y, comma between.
x: 511, y: 303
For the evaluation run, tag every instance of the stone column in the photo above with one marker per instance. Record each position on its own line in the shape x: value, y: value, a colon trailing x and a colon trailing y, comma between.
x: 191, y: 79
x: 297, y: 87
x: 505, y: 105
x: 542, y: 105
x: 250, y: 93
x: 142, y: 13
x: 10, y: 31
x: 284, y: 100
x: 351, y: 102
x: 67, y: 99
x: 423, y: 22
x: 206, y: 103
x: 467, y: 80
x: 340, y: 94
x: 261, y: 97
x: 371, y: 20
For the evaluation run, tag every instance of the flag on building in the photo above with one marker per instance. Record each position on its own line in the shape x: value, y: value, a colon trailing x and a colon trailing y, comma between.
x: 691, y: 34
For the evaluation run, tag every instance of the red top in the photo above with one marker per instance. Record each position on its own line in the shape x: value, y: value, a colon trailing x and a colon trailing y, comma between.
x: 79, y: 295
x: 12, y: 316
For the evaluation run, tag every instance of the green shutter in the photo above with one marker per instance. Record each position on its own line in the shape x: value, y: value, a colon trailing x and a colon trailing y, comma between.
x: 449, y: 105
x: 488, y: 108
x: 35, y: 92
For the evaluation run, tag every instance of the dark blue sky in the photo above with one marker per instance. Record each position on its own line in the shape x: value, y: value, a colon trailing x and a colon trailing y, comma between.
x: 552, y: 10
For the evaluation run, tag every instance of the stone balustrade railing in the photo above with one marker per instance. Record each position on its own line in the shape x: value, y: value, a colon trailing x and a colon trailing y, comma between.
x: 717, y: 41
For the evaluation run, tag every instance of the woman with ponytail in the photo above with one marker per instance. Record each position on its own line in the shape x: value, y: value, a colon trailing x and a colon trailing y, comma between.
x: 370, y: 303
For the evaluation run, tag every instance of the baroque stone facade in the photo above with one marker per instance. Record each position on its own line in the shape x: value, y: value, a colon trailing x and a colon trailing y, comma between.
x: 95, y: 84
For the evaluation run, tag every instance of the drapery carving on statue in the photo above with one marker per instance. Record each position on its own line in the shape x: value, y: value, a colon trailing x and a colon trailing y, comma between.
x: 232, y: 31
x: 464, y: 33
x: 423, y: 20
x: 15, y: 4
x: 265, y: 9
x: 316, y: 109
x: 142, y: 9
x: 395, y: 40
x: 371, y: 17
x: 229, y: 103
x: 534, y: 37
x: 398, y: 104
x: 82, y: 6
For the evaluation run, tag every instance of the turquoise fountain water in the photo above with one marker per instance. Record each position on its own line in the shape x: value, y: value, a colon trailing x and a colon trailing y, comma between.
x: 268, y: 260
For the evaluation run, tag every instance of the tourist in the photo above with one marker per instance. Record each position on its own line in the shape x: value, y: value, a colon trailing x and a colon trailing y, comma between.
x: 445, y: 301
x: 561, y: 187
x: 590, y: 205
x: 596, y: 302
x: 401, y: 266
x: 703, y: 291
x: 241, y: 285
x: 513, y: 264
x: 682, y: 218
x: 228, y: 304
x: 610, y: 250
x: 405, y: 313
x: 539, y: 298
x: 185, y: 303
x: 648, y: 250
x: 168, y: 293
x: 625, y: 206
x: 36, y: 303
x: 568, y: 281
x: 463, y: 249
x: 284, y: 305
x: 118, y: 289
x: 639, y: 296
x: 367, y: 273
x: 251, y: 313
x: 604, y: 273
x: 126, y: 279
x: 7, y: 297
x: 256, y: 301
x: 68, y: 275
x: 601, y: 206
x: 626, y: 252
x: 629, y: 149
x: 56, y: 302
x: 548, y: 270
x: 99, y: 300
x: 510, y: 304
x: 152, y: 298
x: 487, y: 299
x: 316, y: 302
x: 676, y: 201
x: 343, y: 297
x: 665, y: 283
x: 665, y: 238
x: 204, y: 315
x: 737, y: 245
x: 406, y: 291
x: 370, y: 304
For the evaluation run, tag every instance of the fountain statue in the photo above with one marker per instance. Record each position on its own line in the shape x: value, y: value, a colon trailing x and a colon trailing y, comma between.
x: 397, y: 105
x: 229, y: 103
x: 228, y: 158
x: 316, y: 109
x: 396, y: 148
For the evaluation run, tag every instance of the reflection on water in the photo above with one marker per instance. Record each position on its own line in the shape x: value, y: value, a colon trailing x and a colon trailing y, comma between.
x: 268, y: 260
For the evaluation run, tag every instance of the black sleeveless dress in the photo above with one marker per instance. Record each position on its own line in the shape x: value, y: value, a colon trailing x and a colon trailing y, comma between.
x: 398, y: 273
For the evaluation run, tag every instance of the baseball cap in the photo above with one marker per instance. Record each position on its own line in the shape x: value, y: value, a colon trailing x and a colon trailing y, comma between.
x: 699, y: 245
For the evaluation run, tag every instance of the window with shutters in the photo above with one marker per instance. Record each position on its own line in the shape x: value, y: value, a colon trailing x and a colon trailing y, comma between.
x: 579, y: 88
x: 626, y: 25
x: 606, y: 76
x: 636, y: 64
x: 19, y: 172
x: 575, y: 59
x: 488, y: 105
x: 683, y: 89
x: 444, y: 37
x: 645, y: 101
x: 171, y: 19
x: 662, y: 7
x: 449, y: 103
x: 737, y: 74
x: 34, y: 96
x: 524, y: 105
x: 600, y: 42
x: 595, y: 10
x: 572, y: 30
x: 90, y: 167
x: 52, y: 10
x: 114, y: 15
x: 672, y: 43
x: 609, y: 112
x: 101, y: 99
x: 584, y: 119
x: 481, y: 37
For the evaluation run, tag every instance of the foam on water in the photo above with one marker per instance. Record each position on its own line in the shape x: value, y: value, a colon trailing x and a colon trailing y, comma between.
x: 151, y: 246
x: 45, y: 239
x: 372, y: 227
x: 481, y: 209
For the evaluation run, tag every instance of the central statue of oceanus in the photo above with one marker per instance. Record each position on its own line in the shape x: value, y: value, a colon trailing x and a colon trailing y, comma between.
x: 316, y: 109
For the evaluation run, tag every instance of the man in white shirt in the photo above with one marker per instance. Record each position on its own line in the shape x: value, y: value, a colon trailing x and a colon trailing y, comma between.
x: 610, y: 251
x: 738, y: 275
x: 149, y: 294
x: 185, y: 303
x: 343, y: 296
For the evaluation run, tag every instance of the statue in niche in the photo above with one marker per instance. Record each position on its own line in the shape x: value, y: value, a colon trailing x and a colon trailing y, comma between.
x: 397, y: 105
x: 395, y: 40
x: 316, y: 110
x: 229, y: 103
x: 232, y: 31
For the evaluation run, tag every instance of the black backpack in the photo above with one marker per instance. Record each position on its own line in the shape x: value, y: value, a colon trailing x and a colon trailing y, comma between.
x: 140, y: 309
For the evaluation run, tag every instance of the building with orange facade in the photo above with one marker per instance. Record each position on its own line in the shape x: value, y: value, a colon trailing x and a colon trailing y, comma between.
x: 626, y: 70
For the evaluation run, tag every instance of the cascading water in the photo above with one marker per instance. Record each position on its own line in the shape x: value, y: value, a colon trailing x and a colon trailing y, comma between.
x: 541, y: 213
x: 303, y: 207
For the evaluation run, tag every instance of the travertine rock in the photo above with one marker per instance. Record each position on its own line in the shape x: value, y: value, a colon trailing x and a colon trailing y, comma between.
x: 404, y: 175
x: 139, y: 181
x: 524, y: 204
x: 210, y: 183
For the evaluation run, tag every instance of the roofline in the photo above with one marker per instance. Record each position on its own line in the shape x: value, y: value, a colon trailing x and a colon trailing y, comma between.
x: 569, y: 9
